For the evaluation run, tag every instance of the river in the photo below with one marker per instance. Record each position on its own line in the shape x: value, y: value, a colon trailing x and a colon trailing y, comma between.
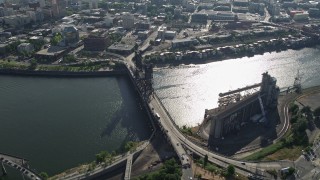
x: 187, y: 92
x: 59, y: 123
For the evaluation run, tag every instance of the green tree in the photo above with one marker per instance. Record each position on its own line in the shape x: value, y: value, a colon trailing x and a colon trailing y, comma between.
x: 44, y: 175
x: 69, y: 58
x: 205, y: 161
x: 56, y: 39
x: 230, y: 170
x: 291, y: 171
x: 101, y: 157
x: 316, y: 112
x: 293, y: 108
x: 33, y: 64
x: 306, y: 110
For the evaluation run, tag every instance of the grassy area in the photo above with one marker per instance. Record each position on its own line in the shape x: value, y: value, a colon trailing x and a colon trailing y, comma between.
x: 265, y: 152
x: 186, y: 130
x: 290, y: 153
x: 170, y: 170
x: 12, y: 65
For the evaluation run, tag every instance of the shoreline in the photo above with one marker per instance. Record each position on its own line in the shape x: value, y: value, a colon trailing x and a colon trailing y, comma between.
x: 41, y: 73
x: 205, y: 56
x: 198, y: 61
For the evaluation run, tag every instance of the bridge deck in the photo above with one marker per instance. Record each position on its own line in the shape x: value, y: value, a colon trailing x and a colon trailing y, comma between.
x: 128, y: 167
x: 15, y: 159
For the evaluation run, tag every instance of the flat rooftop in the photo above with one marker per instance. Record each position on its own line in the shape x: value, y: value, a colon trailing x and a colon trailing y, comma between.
x: 53, y: 50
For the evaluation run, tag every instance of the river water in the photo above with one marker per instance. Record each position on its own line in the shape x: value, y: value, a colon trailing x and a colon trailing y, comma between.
x: 59, y: 123
x: 187, y: 92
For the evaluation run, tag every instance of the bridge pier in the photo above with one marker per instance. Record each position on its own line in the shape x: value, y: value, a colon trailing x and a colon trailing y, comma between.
x: 3, y: 169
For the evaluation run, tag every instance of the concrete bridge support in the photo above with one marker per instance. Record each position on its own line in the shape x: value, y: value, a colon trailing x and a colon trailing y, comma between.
x: 3, y: 169
x: 128, y: 167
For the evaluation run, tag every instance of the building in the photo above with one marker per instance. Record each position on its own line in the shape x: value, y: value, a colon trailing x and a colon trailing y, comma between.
x: 200, y: 17
x: 123, y: 49
x: 143, y: 25
x: 108, y: 20
x: 221, y: 15
x: 177, y: 12
x: 275, y: 9
x: 6, y: 11
x: 42, y: 3
x: 17, y: 20
x: 170, y: 34
x: 314, y: 12
x: 95, y: 43
x: 301, y: 17
x: 70, y: 35
x: 93, y: 4
x: 177, y: 43
x: 241, y: 3
x: 51, y: 54
x: 234, y: 109
x: 58, y: 8
x: 25, y: 48
x: 3, y: 48
x: 127, y: 20
x: 143, y: 34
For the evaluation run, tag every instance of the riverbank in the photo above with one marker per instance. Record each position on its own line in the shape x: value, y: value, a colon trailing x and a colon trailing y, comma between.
x: 228, y: 52
x: 25, y: 72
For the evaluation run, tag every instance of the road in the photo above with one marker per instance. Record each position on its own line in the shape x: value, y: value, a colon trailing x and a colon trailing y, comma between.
x: 168, y: 128
x: 177, y: 138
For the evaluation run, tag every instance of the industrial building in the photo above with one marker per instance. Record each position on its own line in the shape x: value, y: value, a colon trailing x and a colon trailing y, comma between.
x: 236, y: 108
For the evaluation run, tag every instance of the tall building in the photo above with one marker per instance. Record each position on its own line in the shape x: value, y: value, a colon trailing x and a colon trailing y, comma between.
x: 42, y: 3
x: 93, y: 4
x: 127, y: 20
x: 58, y: 8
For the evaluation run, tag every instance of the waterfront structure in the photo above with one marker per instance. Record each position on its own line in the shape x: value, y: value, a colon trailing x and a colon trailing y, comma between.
x: 176, y: 43
x: 236, y: 109
x: 51, y: 54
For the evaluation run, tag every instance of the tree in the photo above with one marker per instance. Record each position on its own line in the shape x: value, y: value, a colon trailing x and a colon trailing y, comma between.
x: 100, y: 157
x: 291, y: 171
x: 230, y: 170
x: 316, y: 112
x: 205, y: 161
x: 293, y: 108
x: 56, y: 39
x: 306, y: 110
x: 33, y: 64
x: 44, y: 175
x: 69, y: 58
